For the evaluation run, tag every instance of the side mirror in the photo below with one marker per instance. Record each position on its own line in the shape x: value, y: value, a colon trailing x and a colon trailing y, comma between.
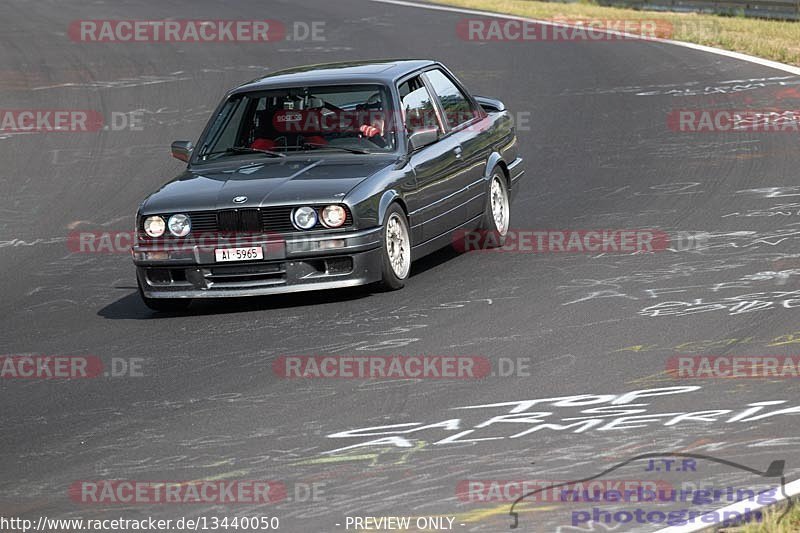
x: 490, y: 105
x: 421, y: 138
x: 182, y: 150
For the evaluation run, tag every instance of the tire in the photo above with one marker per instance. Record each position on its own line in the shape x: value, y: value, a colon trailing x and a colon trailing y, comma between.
x: 395, y: 249
x: 497, y: 212
x: 164, y: 305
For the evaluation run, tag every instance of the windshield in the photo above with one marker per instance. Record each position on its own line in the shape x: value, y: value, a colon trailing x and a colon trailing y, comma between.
x: 351, y: 118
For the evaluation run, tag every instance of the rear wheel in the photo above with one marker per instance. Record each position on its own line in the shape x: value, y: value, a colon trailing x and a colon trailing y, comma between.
x: 497, y: 213
x: 164, y: 305
x: 396, y: 264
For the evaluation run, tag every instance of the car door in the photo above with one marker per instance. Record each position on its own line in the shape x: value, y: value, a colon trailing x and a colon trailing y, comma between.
x: 435, y: 208
x: 467, y: 137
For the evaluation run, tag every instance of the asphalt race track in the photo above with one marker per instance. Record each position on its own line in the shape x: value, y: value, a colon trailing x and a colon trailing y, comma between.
x: 206, y: 403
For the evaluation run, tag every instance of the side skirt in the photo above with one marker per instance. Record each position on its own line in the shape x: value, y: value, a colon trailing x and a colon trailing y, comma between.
x: 445, y: 239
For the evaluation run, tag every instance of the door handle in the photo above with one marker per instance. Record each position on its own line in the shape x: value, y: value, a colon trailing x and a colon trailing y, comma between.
x: 458, y: 151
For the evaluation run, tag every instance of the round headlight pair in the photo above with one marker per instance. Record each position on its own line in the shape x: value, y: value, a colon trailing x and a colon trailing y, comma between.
x: 306, y: 217
x: 179, y: 225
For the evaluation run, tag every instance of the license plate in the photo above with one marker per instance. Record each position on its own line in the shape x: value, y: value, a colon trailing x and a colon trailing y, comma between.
x: 239, y: 254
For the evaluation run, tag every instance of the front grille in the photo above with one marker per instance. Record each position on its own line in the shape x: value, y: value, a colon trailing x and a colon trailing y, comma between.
x: 246, y: 220
x: 245, y: 276
x: 277, y: 219
x: 265, y: 220
x: 228, y: 220
x: 204, y: 221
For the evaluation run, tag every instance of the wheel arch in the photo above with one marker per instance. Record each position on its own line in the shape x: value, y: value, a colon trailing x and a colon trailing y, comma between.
x: 496, y: 160
x: 388, y: 198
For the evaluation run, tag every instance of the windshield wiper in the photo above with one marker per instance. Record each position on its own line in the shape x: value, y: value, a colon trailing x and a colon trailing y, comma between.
x: 343, y: 148
x: 246, y: 150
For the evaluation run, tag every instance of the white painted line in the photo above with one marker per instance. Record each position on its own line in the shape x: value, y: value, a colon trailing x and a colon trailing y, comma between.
x: 710, y: 49
x: 791, y: 489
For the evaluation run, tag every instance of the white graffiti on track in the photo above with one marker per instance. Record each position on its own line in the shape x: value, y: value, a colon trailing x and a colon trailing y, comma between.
x: 735, y: 305
x: 594, y: 412
x: 780, y: 210
x: 145, y: 79
x: 662, y: 189
x: 746, y: 239
x: 613, y: 287
x: 726, y: 87
x: 124, y: 83
x: 696, y: 88
x: 33, y: 242
x: 171, y: 116
x: 774, y: 192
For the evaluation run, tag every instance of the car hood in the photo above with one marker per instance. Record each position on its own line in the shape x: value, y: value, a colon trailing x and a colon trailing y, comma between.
x: 264, y: 183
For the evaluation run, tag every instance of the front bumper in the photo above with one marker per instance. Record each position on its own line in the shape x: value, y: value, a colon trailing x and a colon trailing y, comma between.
x: 292, y: 264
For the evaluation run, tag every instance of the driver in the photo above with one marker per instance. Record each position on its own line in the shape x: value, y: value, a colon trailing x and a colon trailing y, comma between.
x: 374, y: 127
x: 374, y: 130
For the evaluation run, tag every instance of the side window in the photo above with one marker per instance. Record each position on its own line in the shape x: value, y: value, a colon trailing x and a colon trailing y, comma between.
x: 417, y: 104
x: 457, y: 107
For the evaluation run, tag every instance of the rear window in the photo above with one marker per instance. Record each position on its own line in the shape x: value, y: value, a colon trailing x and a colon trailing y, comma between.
x: 457, y: 107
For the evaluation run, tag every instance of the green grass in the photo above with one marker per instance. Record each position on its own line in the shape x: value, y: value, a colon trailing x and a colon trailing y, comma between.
x: 769, y: 39
x: 788, y: 524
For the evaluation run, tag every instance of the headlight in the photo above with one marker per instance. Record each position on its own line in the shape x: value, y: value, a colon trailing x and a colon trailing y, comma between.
x: 304, y: 218
x: 333, y: 216
x: 154, y: 226
x: 179, y: 225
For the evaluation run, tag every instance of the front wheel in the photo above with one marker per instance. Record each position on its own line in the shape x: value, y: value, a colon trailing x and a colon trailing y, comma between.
x: 497, y: 213
x: 396, y: 250
x: 164, y: 305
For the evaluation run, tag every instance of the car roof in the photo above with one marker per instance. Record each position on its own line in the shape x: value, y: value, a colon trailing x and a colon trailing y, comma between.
x: 383, y: 71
